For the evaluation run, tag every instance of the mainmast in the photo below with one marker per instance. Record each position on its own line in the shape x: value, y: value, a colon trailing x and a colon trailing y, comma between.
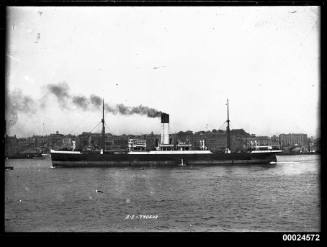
x: 228, y: 129
x: 103, y: 130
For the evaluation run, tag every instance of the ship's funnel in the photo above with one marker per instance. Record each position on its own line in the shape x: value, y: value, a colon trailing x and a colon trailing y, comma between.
x: 164, y: 118
x: 164, y: 128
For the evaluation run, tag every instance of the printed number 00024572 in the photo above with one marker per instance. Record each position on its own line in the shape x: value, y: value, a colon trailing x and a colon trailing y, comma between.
x: 301, y: 237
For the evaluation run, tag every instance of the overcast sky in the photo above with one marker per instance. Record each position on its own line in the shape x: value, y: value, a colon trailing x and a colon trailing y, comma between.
x: 185, y: 61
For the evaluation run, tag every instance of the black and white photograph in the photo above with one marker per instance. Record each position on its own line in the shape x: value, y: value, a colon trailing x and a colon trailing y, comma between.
x: 162, y: 119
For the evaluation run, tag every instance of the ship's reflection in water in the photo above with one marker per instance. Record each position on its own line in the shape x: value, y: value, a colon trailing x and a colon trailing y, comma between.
x: 278, y: 197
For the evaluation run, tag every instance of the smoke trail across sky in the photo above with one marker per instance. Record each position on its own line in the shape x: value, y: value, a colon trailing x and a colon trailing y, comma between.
x: 17, y: 103
x: 61, y: 91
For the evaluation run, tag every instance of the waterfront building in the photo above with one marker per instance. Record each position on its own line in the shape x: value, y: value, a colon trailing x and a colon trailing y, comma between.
x: 55, y: 140
x: 152, y: 141
x: 136, y: 145
x: 216, y: 141
x: 288, y: 140
x: 83, y: 140
x: 258, y: 140
x: 118, y: 142
x: 182, y: 136
x: 67, y: 142
x: 11, y: 146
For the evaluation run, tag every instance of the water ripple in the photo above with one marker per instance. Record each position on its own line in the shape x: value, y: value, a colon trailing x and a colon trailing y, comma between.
x: 282, y: 197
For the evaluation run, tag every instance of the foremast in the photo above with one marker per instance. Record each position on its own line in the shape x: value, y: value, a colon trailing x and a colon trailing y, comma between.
x: 103, y: 130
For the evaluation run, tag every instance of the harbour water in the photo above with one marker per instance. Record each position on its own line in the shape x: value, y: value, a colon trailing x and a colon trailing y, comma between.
x: 280, y: 197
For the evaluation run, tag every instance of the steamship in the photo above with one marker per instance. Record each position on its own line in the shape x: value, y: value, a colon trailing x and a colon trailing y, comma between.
x: 165, y: 154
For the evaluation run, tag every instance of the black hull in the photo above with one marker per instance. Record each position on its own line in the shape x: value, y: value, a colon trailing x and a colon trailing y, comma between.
x: 130, y: 160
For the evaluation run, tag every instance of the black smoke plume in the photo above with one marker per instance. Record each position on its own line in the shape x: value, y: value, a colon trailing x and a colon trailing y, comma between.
x: 81, y: 102
x: 18, y: 103
x: 95, y: 100
x: 61, y: 91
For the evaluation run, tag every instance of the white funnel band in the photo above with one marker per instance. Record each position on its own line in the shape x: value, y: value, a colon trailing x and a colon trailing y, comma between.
x: 165, y: 133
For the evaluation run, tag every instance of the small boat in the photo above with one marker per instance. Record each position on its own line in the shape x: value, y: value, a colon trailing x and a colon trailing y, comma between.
x: 9, y: 167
